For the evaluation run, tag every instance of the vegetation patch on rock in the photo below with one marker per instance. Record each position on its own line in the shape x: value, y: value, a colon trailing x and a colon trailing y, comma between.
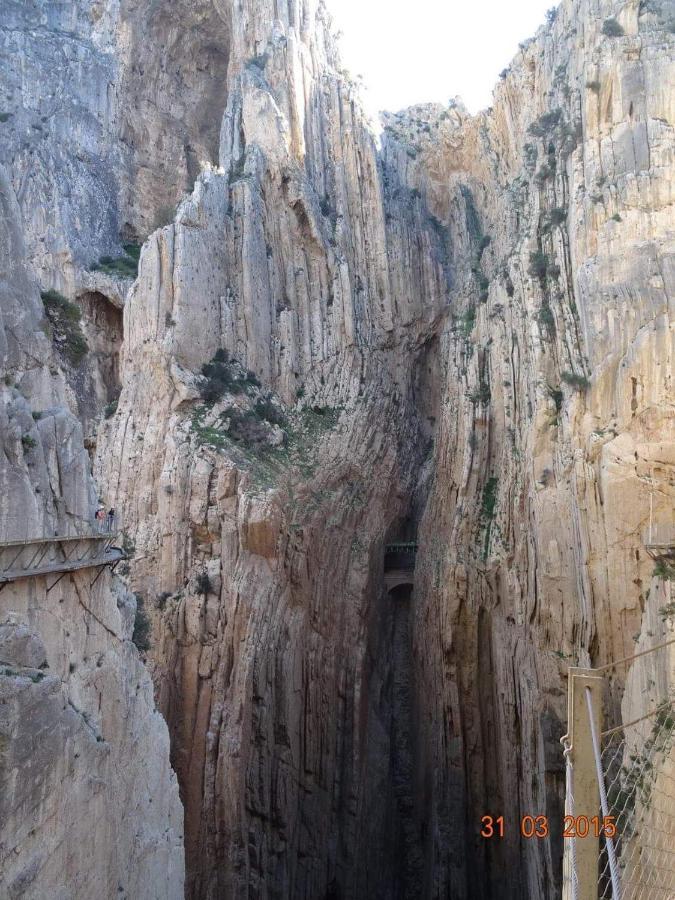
x: 125, y: 266
x: 64, y: 320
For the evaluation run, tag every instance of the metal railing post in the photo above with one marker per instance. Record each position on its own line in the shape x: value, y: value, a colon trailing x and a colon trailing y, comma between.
x: 582, y: 852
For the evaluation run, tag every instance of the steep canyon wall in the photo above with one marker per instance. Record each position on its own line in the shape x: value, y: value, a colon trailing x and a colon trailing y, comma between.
x: 460, y: 335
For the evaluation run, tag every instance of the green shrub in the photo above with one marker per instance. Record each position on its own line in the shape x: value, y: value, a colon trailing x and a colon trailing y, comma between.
x: 5, y: 117
x: 530, y: 154
x: 133, y: 250
x: 440, y: 229
x: 162, y: 598
x: 128, y: 545
x: 578, y: 381
x: 246, y: 428
x: 667, y: 612
x: 141, y: 635
x: 28, y: 442
x: 269, y: 411
x: 36, y: 416
x: 203, y: 583
x: 551, y: 15
x: 557, y: 216
x: 557, y: 396
x: 617, y: 218
x: 125, y: 266
x: 489, y: 501
x: 121, y: 266
x: 612, y: 28
x: 545, y: 123
x: 544, y: 173
x: 546, y: 318
x: 482, y: 395
x: 327, y: 210
x: 593, y: 86
x: 56, y: 304
x: 664, y: 570
x: 539, y: 263
x: 110, y: 409
x: 221, y: 377
x: 258, y: 62
x: 485, y: 242
x: 468, y: 321
x: 64, y: 317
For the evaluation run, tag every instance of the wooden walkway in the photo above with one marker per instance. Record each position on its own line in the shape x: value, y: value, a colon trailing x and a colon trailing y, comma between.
x: 659, y: 541
x: 38, y: 557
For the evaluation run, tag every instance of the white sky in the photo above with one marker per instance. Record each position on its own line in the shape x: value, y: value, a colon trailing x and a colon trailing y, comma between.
x: 416, y: 51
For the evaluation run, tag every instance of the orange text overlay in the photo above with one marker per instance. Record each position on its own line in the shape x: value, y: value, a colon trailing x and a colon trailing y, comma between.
x: 538, y: 827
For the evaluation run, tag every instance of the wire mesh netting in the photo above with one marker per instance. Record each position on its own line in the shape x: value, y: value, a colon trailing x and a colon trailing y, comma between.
x: 570, y: 881
x: 638, y: 761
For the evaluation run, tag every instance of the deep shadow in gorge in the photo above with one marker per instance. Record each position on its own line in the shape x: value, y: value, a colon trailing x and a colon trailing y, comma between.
x: 406, y: 826
x: 393, y: 825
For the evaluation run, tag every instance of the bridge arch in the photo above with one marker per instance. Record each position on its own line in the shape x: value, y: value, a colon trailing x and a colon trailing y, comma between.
x: 399, y: 566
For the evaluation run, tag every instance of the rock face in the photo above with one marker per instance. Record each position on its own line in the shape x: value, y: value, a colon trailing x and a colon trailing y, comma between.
x: 88, y: 802
x: 472, y: 284
x: 461, y: 337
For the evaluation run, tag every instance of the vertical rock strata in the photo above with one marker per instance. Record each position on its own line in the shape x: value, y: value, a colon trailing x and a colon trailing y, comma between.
x: 557, y: 421
x: 305, y: 266
x: 501, y: 283
x: 89, y: 806
x: 462, y: 336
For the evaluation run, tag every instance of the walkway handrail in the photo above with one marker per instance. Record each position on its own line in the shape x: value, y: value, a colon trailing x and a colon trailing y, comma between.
x: 102, y: 529
x: 60, y: 538
x: 659, y: 535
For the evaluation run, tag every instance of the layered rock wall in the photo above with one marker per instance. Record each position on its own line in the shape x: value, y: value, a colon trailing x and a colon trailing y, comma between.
x: 88, y: 802
x: 556, y: 430
x: 461, y: 336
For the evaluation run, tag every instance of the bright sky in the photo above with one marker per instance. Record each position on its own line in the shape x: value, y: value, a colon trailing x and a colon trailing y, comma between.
x: 432, y: 50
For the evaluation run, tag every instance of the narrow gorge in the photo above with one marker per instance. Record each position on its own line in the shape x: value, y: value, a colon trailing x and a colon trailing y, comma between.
x: 382, y: 418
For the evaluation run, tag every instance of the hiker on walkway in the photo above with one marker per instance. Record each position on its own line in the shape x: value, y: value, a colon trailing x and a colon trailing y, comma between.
x: 111, y: 519
x: 100, y: 518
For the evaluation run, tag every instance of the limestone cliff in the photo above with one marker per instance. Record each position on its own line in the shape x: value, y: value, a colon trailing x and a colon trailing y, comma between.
x: 499, y: 283
x: 88, y: 802
x: 459, y: 335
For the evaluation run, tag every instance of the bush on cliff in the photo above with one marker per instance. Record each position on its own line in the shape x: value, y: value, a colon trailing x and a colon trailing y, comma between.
x: 539, y: 263
x: 64, y: 318
x: 141, y: 635
x: 125, y: 266
x: 580, y: 382
x: 612, y: 28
